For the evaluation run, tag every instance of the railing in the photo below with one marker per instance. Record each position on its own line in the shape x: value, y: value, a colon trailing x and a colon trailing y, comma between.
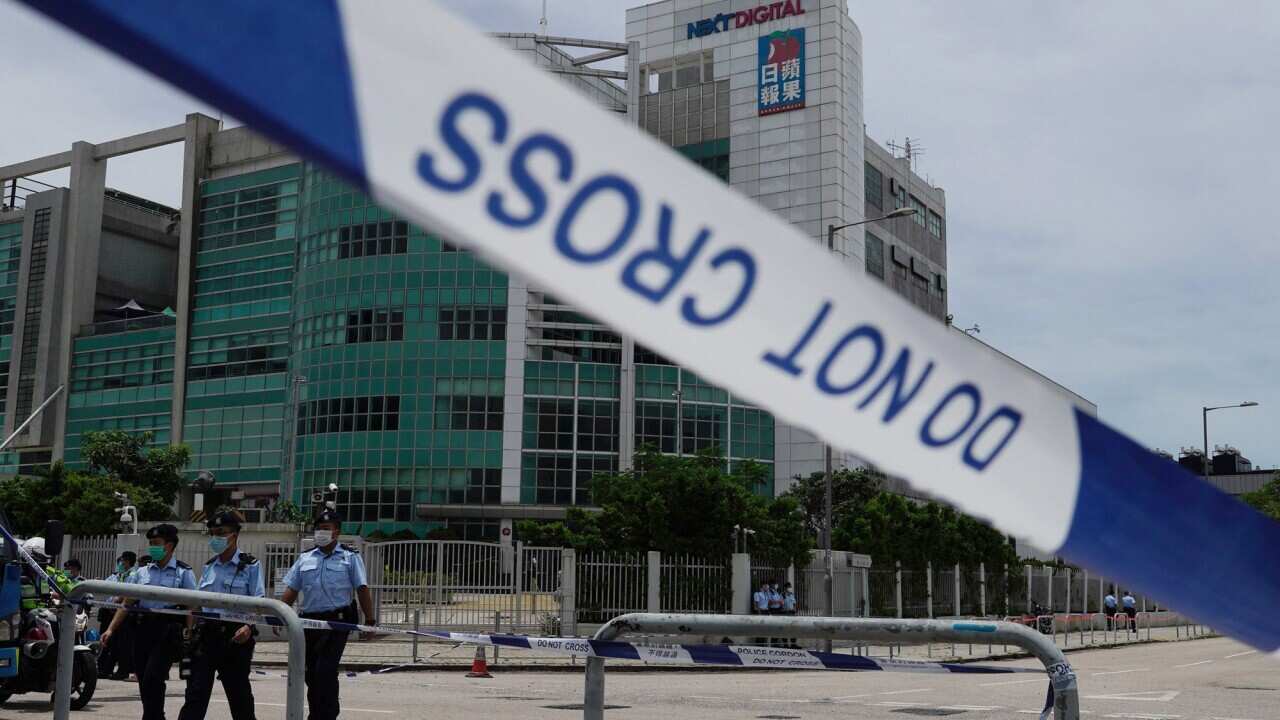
x: 1066, y: 702
x: 189, y: 598
x: 112, y: 327
x: 610, y: 584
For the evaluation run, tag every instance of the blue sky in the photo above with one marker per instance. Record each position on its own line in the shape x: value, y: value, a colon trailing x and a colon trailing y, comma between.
x: 1110, y: 171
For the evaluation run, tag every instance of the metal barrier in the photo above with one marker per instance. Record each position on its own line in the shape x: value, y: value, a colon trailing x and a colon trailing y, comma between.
x: 190, y: 598
x: 1066, y: 701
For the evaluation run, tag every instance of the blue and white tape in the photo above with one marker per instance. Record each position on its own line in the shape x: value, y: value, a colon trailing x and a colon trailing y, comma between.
x: 458, y: 133
x: 747, y: 656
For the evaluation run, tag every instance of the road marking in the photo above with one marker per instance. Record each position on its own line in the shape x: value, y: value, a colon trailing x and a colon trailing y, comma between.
x: 1148, y: 696
x: 779, y: 700
x: 890, y: 703
x: 1239, y: 654
x: 1011, y: 682
x: 850, y: 697
x: 1121, y: 672
x: 1202, y: 662
x: 905, y: 692
x: 344, y: 707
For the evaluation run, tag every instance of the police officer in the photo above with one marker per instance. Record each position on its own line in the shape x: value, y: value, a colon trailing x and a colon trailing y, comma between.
x: 116, y: 660
x: 157, y: 639
x: 329, y: 576
x: 222, y: 647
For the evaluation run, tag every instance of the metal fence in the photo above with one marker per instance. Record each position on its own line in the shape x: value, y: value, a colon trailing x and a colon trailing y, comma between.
x: 610, y: 584
x: 96, y: 553
x: 696, y: 585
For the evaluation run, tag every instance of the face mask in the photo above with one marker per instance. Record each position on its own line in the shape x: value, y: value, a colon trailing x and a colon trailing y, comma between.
x: 156, y: 552
x: 218, y: 544
x: 119, y: 567
x: 323, y: 537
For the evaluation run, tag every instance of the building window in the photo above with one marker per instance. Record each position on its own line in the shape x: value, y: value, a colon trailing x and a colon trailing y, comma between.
x: 239, y: 355
x: 598, y: 425
x: 874, y: 181
x: 875, y: 256
x: 351, y: 414
x: 656, y: 425
x: 470, y: 412
x: 588, y: 467
x: 920, y: 209
x: 473, y: 323
x: 375, y: 325
x: 548, y: 424
x: 547, y: 478
x: 935, y: 224
x: 381, y: 238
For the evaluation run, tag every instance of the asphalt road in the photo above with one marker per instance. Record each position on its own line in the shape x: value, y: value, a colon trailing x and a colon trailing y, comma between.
x: 1215, y: 679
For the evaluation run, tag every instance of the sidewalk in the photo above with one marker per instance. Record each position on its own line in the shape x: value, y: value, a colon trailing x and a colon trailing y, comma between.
x: 432, y: 655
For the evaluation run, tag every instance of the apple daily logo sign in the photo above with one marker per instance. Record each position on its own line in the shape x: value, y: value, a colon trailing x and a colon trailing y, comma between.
x: 780, y: 70
x: 745, y: 18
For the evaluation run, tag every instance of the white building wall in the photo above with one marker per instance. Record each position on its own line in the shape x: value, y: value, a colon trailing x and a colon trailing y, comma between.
x: 805, y: 164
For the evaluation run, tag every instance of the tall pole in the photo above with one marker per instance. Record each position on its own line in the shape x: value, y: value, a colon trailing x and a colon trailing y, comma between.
x: 1204, y: 466
x: 679, y: 395
x: 828, y: 568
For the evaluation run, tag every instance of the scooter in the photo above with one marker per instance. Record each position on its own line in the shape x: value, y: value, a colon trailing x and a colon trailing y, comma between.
x: 38, y: 665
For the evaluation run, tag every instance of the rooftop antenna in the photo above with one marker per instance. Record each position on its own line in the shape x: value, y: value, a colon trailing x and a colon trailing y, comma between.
x: 542, y: 22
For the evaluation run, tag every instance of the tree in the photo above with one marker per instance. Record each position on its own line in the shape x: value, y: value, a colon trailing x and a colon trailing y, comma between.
x: 125, y: 456
x: 892, y: 528
x: 85, y: 503
x: 851, y: 490
x: 687, y: 505
x: 1266, y: 499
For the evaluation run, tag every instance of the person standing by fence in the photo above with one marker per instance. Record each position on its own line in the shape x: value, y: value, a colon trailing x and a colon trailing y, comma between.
x: 221, y: 647
x: 330, y: 577
x: 1131, y: 609
x: 116, y: 660
x: 1109, y: 608
x: 789, y: 608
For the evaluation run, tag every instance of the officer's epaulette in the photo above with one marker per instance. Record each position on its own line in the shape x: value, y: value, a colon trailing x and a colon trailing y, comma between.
x: 349, y: 549
x: 247, y: 559
x: 183, y: 565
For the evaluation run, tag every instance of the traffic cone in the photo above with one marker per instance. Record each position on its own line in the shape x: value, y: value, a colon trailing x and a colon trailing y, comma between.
x: 479, y: 666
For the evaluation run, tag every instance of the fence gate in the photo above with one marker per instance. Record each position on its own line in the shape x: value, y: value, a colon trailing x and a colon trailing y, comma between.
x: 96, y: 553
x: 450, y: 584
x: 537, y: 599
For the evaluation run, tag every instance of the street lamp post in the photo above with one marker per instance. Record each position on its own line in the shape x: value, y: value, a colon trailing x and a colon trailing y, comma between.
x: 678, y: 394
x: 1204, y: 417
x: 828, y: 574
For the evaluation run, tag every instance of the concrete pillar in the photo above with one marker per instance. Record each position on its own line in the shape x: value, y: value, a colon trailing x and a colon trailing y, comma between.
x: 957, y: 584
x: 897, y: 583
x: 195, y: 166
x: 866, y: 592
x: 741, y: 583
x: 928, y: 579
x: 654, y: 582
x: 982, y: 589
x: 568, y: 593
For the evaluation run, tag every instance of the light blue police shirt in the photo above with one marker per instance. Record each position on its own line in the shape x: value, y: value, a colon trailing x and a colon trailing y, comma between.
x: 789, y: 602
x: 327, y: 582
x: 1129, y: 601
x: 1109, y: 601
x: 228, y: 577
x: 171, y: 575
x: 761, y: 599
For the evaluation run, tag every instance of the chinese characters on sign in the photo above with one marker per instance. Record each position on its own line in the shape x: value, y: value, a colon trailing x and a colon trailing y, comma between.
x: 781, y: 71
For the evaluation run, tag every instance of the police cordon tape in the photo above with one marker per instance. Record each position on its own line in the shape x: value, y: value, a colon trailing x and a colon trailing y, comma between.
x: 749, y: 656
x: 498, y: 155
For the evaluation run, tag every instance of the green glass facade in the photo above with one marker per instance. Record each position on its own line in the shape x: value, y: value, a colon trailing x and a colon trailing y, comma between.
x: 10, y: 258
x: 570, y: 430
x: 240, y: 320
x: 401, y: 340
x: 120, y: 381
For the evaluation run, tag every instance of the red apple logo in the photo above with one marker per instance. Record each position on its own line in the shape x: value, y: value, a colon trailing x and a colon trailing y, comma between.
x: 783, y: 47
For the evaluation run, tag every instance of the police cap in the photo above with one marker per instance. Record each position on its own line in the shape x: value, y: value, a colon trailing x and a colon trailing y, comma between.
x: 329, y: 515
x: 128, y: 556
x: 165, y: 532
x: 226, y: 519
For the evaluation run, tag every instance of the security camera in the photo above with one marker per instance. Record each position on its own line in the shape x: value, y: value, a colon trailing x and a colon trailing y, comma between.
x: 317, y: 497
x: 120, y: 495
x: 126, y: 518
x: 333, y: 487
